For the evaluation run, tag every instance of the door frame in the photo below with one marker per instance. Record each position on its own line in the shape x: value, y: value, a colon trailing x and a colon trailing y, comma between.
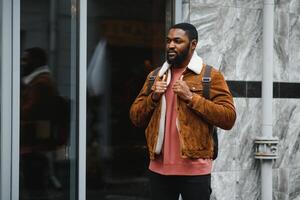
x: 82, y: 99
x: 10, y: 98
x: 10, y: 62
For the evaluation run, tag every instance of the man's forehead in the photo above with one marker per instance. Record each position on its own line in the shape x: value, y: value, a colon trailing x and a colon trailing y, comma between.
x: 176, y: 33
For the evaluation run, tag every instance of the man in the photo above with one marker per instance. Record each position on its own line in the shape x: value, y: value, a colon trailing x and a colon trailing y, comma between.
x: 38, y: 94
x: 179, y: 119
x: 44, y: 124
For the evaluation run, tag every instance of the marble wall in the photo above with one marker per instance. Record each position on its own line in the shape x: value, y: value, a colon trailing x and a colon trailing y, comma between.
x: 230, y: 38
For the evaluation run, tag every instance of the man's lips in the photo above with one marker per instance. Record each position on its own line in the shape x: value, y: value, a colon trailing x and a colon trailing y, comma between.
x: 172, y: 54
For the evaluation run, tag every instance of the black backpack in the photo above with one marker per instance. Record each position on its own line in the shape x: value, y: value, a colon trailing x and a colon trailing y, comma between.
x: 206, y: 79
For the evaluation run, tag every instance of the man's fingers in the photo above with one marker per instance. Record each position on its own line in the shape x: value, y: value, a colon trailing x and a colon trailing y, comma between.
x: 153, y: 87
x: 160, y: 87
x: 160, y: 90
x: 180, y: 87
x: 180, y: 84
x: 161, y: 84
x: 177, y: 85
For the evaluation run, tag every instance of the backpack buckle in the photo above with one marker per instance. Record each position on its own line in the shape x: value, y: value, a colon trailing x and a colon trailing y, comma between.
x: 206, y: 79
x: 152, y: 78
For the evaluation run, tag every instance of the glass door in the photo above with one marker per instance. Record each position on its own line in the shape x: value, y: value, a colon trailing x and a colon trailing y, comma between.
x: 49, y: 100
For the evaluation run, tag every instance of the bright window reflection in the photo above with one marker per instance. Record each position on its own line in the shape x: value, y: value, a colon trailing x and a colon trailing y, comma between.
x: 48, y: 130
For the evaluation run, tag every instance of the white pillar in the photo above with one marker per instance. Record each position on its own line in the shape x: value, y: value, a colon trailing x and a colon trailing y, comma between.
x: 267, y: 95
x: 267, y: 81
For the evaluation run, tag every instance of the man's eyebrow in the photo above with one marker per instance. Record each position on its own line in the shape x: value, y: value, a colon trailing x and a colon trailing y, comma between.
x: 174, y: 38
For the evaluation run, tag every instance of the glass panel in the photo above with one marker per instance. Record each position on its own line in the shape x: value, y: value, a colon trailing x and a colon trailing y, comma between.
x: 125, y: 42
x: 0, y: 70
x: 48, y: 104
x: 0, y: 82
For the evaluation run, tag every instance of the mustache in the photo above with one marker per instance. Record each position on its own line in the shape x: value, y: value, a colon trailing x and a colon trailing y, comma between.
x: 172, y: 51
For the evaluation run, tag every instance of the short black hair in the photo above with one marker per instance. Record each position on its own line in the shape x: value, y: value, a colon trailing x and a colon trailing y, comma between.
x: 189, y: 29
x: 38, y: 54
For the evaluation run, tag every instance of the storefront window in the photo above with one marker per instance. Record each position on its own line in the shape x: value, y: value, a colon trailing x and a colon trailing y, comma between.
x: 125, y: 42
x: 48, y: 100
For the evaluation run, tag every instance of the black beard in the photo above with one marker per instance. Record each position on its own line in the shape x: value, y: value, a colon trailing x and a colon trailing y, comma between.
x: 179, y: 58
x: 27, y: 69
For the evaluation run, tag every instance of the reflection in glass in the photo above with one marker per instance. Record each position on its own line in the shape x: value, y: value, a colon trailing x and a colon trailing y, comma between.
x: 125, y: 42
x: 48, y: 99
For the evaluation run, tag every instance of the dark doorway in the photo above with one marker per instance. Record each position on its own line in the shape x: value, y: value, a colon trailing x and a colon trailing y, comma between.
x: 125, y: 43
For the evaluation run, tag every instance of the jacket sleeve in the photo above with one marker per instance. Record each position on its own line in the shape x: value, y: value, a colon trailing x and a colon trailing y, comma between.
x: 39, y: 95
x: 219, y: 110
x: 143, y: 106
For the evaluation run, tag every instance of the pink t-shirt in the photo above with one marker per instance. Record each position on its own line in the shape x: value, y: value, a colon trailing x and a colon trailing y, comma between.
x: 169, y: 162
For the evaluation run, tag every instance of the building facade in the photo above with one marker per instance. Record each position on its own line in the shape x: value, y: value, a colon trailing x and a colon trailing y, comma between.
x: 98, y: 54
x: 231, y: 34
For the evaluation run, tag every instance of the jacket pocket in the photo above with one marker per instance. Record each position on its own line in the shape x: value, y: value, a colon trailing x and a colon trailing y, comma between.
x: 195, y: 87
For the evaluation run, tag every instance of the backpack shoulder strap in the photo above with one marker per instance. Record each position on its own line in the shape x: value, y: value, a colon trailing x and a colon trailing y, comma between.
x: 152, y: 79
x: 206, y: 79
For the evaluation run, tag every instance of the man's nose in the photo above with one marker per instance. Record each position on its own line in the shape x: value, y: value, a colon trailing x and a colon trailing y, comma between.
x: 171, y: 45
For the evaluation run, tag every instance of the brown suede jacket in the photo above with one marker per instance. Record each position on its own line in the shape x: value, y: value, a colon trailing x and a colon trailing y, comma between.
x: 194, y: 118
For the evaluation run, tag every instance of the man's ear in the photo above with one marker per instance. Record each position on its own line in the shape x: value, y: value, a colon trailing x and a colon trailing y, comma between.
x: 194, y: 44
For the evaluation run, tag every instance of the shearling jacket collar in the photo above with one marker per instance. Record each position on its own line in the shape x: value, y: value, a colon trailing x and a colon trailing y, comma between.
x: 195, y: 65
x: 43, y: 69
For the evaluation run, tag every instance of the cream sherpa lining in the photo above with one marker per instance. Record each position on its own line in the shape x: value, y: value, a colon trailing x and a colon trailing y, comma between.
x: 195, y: 64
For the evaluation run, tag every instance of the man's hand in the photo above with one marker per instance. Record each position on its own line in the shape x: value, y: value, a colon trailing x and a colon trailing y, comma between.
x: 159, y: 88
x: 182, y: 90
